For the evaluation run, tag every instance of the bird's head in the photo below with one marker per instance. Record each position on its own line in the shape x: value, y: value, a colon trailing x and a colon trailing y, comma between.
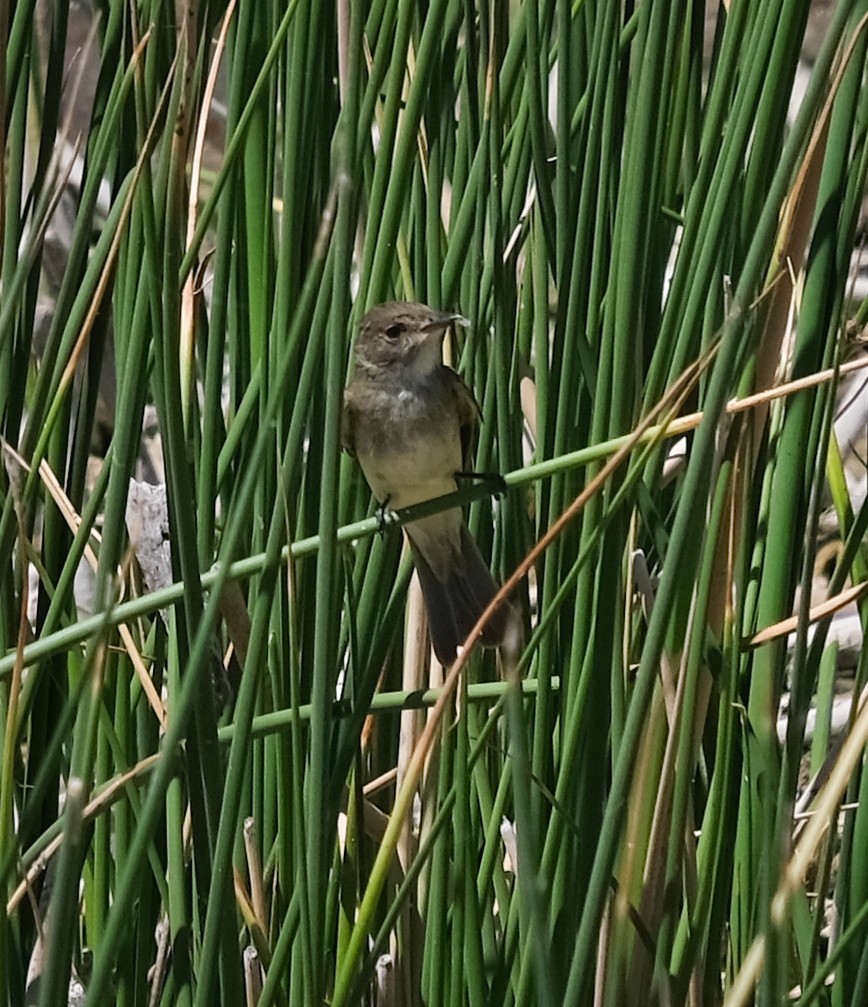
x: 403, y: 334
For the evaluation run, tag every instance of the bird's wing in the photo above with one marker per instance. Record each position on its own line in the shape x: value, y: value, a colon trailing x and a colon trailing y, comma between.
x: 348, y: 424
x: 469, y: 415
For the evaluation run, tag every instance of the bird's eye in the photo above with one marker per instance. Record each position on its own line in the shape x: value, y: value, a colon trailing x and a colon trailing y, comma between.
x: 393, y: 332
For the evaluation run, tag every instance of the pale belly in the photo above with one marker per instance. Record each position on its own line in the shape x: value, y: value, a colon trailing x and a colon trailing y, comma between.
x: 408, y: 439
x: 418, y: 466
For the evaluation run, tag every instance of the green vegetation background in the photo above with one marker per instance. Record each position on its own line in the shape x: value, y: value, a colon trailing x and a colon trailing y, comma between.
x: 615, y: 197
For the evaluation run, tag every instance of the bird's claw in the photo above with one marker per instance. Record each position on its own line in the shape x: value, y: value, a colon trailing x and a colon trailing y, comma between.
x: 381, y: 517
x: 494, y: 480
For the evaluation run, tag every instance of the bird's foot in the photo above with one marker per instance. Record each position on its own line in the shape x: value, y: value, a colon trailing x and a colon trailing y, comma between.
x: 494, y: 480
x: 381, y: 517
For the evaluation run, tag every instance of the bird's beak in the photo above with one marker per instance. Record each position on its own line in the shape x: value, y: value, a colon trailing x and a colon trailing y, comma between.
x: 441, y: 320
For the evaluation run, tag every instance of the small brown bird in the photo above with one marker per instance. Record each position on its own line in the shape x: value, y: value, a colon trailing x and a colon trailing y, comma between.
x: 413, y: 423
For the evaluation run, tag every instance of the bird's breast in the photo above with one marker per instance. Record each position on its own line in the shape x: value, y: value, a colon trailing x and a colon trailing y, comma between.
x: 408, y: 443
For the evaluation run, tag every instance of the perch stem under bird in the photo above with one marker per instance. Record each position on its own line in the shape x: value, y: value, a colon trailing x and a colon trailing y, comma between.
x: 412, y: 423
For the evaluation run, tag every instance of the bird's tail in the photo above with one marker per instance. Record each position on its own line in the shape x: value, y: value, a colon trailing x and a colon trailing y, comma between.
x: 457, y: 592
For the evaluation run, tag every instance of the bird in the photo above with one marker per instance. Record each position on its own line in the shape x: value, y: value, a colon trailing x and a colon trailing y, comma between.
x: 412, y: 424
